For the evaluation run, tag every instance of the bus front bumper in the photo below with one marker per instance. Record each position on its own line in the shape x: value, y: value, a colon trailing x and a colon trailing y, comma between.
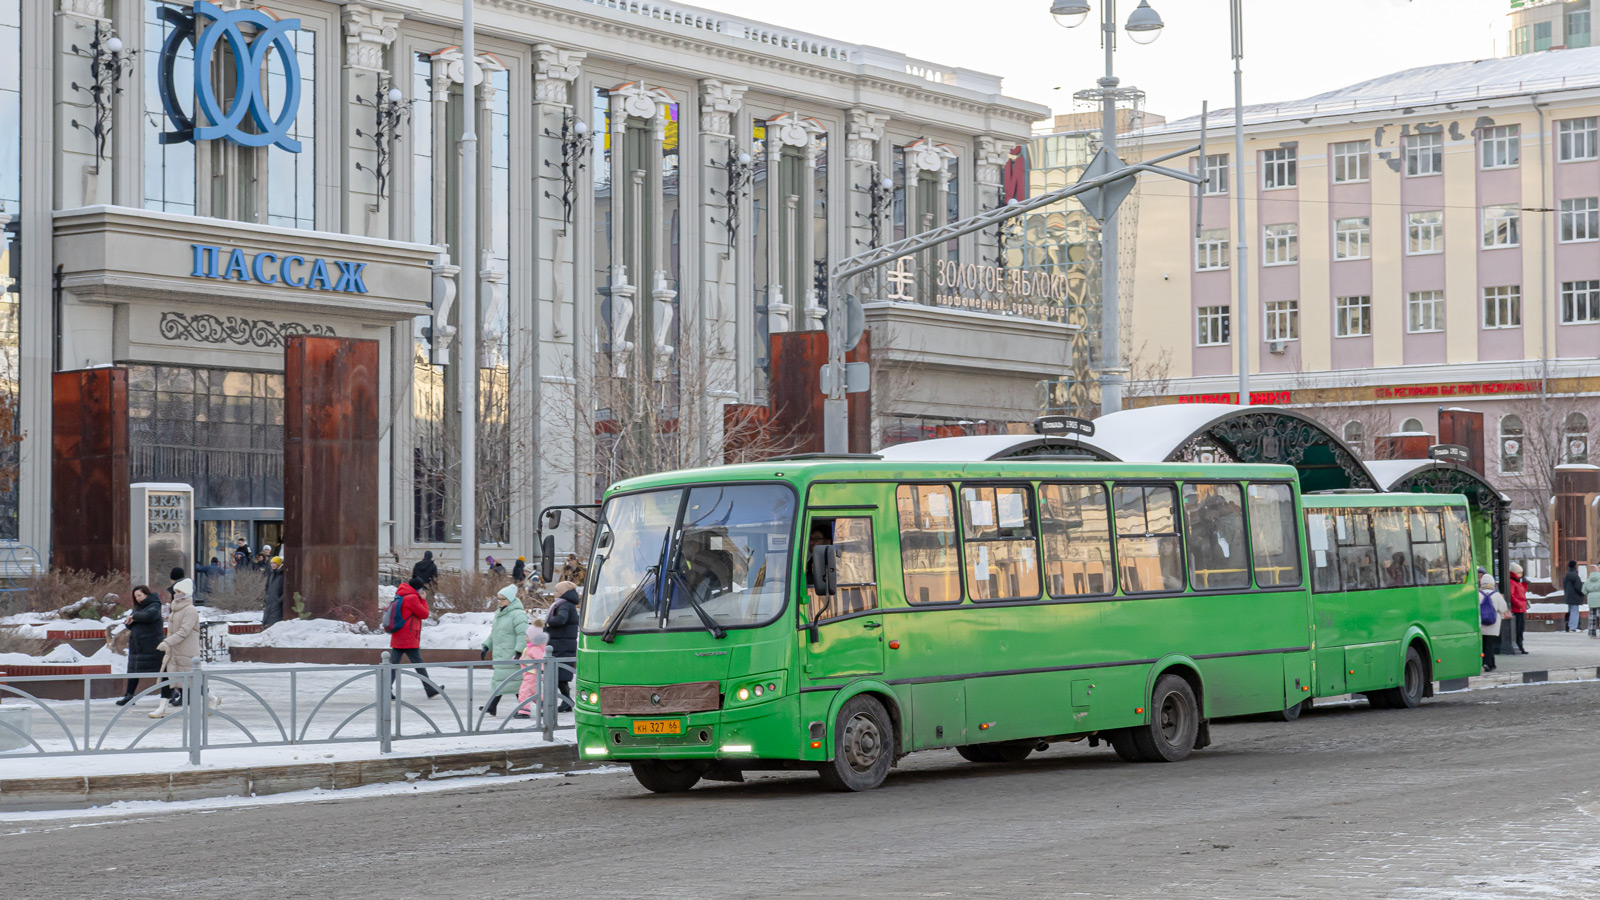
x: 771, y: 730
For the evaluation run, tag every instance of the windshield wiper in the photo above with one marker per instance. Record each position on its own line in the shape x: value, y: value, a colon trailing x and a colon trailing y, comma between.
x: 717, y: 631
x: 609, y: 634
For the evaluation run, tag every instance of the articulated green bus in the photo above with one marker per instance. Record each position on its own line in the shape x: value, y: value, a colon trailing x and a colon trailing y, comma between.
x: 834, y: 614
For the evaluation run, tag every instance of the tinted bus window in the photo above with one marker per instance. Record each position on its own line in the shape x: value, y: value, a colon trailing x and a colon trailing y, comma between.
x: 1428, y: 558
x: 1394, y: 547
x: 1077, y: 539
x: 928, y: 552
x: 1323, y: 544
x: 1272, y: 535
x: 1001, y: 549
x: 1458, y: 544
x: 1358, y: 558
x: 858, y: 582
x: 1149, y: 552
x: 1214, y: 518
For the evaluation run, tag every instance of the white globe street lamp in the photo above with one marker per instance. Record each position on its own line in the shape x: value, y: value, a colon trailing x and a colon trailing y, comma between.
x: 1070, y: 13
x: 1144, y: 24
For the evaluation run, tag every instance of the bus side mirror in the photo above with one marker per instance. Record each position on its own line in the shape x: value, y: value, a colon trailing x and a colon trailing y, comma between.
x: 824, y: 570
x: 547, y: 559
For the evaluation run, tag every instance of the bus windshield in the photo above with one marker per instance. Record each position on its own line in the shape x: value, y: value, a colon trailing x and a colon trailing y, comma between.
x: 731, y: 559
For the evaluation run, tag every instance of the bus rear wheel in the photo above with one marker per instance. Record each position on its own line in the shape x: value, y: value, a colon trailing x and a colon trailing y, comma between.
x: 1292, y: 713
x: 1413, y: 684
x: 665, y: 776
x: 997, y: 752
x: 1174, y: 722
x: 863, y: 747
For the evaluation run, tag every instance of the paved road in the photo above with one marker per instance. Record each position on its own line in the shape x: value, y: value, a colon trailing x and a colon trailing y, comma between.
x: 1480, y: 794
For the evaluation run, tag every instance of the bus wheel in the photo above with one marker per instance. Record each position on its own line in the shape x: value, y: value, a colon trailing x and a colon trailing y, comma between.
x: 664, y: 776
x: 1292, y: 713
x: 863, y: 747
x: 1412, y: 685
x: 1122, y: 742
x: 1174, y: 722
x: 997, y: 752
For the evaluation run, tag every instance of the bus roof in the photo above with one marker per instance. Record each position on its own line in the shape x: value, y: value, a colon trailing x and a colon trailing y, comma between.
x: 805, y: 471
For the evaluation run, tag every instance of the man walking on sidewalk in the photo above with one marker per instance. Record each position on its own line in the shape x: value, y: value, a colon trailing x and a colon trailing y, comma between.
x: 407, y: 642
x: 1572, y: 587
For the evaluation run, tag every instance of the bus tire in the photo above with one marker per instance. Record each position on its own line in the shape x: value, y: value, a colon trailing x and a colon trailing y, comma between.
x: 1293, y: 712
x: 997, y: 752
x: 1378, y: 699
x: 1122, y: 741
x: 1174, y: 722
x: 1413, y: 684
x: 863, y: 746
x: 666, y: 776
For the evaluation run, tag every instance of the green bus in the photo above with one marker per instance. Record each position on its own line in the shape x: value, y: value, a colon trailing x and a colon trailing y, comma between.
x: 836, y: 613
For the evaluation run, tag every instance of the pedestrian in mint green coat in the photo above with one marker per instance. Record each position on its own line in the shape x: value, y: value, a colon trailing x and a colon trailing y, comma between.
x: 506, y: 639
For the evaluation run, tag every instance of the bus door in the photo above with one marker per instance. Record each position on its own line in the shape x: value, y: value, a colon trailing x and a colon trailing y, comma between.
x: 845, y: 628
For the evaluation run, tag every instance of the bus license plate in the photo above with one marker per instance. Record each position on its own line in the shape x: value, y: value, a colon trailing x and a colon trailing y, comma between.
x: 658, y: 726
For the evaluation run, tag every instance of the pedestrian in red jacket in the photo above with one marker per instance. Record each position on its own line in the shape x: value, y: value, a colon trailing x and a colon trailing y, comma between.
x: 1519, y: 604
x: 407, y: 642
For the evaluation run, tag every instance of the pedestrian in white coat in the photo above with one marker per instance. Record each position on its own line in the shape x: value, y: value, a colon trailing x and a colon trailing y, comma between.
x: 1492, y: 611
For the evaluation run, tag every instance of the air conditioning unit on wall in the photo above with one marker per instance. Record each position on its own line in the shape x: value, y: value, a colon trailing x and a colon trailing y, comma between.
x: 1277, y: 347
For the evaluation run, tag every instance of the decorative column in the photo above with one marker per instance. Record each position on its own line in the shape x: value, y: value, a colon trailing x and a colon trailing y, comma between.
x: 725, y: 167
x: 634, y: 182
x: 794, y: 258
x: 368, y: 33
x: 79, y: 167
x: 867, y: 226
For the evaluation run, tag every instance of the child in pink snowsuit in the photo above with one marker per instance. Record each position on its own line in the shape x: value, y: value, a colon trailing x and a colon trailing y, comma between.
x: 538, y: 641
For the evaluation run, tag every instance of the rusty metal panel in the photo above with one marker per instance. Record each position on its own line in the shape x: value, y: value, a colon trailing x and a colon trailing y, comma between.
x: 644, y: 700
x: 795, y: 392
x: 330, y: 476
x: 1464, y: 428
x: 1402, y: 446
x: 89, y: 470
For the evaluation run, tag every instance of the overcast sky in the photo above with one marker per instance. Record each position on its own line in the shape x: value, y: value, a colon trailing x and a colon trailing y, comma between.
x: 1293, y: 48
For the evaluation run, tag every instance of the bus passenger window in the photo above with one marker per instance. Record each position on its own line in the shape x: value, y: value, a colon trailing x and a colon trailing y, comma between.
x: 1273, y: 543
x: 1458, y: 544
x: 928, y: 552
x: 1214, y: 519
x: 1427, y: 546
x: 1322, y: 544
x: 858, y: 583
x: 1149, y: 552
x: 1001, y: 549
x: 1394, y: 547
x: 1076, y: 530
x: 1358, y: 559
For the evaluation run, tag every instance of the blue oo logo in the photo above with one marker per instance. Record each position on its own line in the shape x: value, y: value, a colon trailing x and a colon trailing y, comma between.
x: 213, y: 119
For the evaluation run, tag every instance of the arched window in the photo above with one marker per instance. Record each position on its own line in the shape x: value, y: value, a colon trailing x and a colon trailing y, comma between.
x: 1411, y: 426
x: 1510, y: 445
x: 1575, y: 438
x: 1355, y: 434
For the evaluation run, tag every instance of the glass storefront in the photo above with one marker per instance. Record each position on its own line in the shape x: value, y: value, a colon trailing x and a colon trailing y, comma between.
x: 10, y: 262
x: 217, y: 430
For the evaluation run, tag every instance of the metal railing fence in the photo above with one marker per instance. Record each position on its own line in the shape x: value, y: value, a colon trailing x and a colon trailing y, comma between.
x: 237, y: 706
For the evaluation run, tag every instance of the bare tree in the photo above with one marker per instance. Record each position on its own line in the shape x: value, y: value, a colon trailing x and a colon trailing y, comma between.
x: 1533, y: 435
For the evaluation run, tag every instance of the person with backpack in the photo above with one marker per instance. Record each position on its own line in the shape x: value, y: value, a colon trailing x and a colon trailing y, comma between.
x: 1492, y: 610
x: 507, y: 636
x: 403, y: 620
x: 1591, y: 589
x: 1518, y: 602
x: 1572, y: 588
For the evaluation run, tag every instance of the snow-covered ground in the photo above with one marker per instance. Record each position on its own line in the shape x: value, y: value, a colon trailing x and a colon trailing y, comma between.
x: 64, y: 655
x: 450, y: 631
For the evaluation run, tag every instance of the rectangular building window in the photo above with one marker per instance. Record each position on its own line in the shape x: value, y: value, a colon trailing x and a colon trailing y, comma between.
x: 1519, y: 40
x: 1578, y: 29
x: 1283, y: 320
x: 1502, y: 306
x: 1213, y: 515
x: 1274, y: 545
x: 1543, y: 35
x: 1424, y: 154
x: 1149, y: 551
x: 1425, y: 311
x: 169, y: 180
x: 928, y: 545
x: 1002, y: 553
x: 1278, y: 168
x: 1211, y: 249
x: 1352, y: 317
x: 421, y: 136
x: 1076, y: 526
x: 1216, y: 173
x: 1280, y: 244
x: 1352, y: 238
x: 1580, y: 220
x: 1580, y: 302
x: 1500, y: 147
x: 1211, y: 326
x: 292, y: 177
x: 1350, y: 161
x: 1502, y: 226
x: 1577, y: 139
x: 1425, y: 232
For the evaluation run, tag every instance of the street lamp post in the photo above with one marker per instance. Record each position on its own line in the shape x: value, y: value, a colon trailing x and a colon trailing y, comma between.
x: 467, y: 355
x: 1143, y: 26
x: 1242, y: 329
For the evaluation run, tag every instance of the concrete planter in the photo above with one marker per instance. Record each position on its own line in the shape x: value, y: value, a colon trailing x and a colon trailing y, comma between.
x: 100, y: 688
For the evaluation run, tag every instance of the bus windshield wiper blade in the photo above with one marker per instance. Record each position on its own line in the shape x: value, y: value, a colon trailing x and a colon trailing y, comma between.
x: 610, y: 633
x: 716, y: 629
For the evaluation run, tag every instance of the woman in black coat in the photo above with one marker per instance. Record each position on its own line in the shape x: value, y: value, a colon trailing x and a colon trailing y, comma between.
x: 561, y: 623
x: 144, y: 633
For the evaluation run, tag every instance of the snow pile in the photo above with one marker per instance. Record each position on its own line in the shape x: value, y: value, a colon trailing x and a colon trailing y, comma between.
x: 453, y: 631
x: 64, y: 655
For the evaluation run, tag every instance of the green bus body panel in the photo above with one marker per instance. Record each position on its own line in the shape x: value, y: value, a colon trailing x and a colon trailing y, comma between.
x: 976, y: 672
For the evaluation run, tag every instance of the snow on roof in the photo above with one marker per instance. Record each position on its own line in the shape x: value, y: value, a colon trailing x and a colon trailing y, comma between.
x: 1390, y: 472
x: 1152, y: 433
x: 1553, y: 70
x: 974, y: 448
